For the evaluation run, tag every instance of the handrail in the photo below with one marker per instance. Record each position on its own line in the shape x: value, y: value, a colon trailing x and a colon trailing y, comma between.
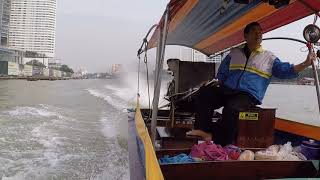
x: 145, y: 39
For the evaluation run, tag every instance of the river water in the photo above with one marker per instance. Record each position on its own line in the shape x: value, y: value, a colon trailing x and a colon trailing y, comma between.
x: 294, y: 102
x: 77, y: 129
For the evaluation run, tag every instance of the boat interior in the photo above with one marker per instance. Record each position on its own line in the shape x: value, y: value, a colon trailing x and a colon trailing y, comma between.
x: 258, y: 129
x: 212, y: 27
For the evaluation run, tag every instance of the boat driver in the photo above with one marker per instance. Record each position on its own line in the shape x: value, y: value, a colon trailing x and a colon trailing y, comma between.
x: 243, y: 78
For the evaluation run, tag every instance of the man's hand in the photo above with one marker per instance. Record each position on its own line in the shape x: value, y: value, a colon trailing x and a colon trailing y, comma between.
x: 311, y: 57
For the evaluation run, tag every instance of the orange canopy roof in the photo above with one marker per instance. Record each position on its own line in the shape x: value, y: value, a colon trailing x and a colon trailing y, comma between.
x: 210, y: 26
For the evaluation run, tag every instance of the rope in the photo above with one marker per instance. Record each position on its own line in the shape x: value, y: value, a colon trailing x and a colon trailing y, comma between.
x: 138, y: 90
x: 314, y: 22
x: 143, y: 43
x: 315, y: 19
x: 146, y: 62
x: 140, y: 51
x: 144, y: 48
x: 148, y: 83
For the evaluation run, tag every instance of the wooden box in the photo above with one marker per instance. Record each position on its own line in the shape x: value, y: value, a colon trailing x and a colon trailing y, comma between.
x: 256, y: 128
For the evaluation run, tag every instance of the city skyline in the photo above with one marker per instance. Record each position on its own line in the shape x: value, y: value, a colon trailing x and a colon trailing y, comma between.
x: 97, y: 36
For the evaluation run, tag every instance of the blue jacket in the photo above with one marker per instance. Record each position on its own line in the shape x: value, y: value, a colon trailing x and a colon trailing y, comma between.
x: 256, y: 76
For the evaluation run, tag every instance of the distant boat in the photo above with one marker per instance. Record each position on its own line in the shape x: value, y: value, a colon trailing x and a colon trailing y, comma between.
x: 32, y: 79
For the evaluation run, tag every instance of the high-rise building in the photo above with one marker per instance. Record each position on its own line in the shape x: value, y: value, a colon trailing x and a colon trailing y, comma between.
x: 116, y: 68
x: 4, y: 21
x: 32, y: 26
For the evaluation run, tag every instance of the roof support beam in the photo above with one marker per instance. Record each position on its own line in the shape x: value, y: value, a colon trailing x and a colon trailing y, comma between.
x: 159, y: 66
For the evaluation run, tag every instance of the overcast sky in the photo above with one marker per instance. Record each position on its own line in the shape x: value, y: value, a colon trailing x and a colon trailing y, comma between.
x: 97, y: 33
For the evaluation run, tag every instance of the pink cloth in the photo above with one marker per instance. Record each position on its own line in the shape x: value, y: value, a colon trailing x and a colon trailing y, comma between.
x: 209, y: 151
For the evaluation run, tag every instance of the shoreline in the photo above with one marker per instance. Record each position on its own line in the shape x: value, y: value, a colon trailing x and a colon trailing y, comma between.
x: 34, y: 78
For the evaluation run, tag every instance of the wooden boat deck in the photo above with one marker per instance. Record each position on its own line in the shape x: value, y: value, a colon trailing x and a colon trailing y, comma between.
x: 173, y: 142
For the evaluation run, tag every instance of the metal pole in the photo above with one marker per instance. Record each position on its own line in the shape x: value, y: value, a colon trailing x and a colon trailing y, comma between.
x: 316, y: 81
x: 158, y: 55
x: 160, y: 58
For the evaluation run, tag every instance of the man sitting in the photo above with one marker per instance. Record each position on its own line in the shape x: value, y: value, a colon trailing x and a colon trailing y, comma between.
x: 244, y: 76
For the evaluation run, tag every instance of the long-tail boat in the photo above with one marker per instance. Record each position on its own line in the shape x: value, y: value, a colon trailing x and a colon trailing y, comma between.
x: 212, y: 27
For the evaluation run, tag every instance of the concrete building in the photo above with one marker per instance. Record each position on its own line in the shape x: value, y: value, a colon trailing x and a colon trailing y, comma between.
x: 5, y: 7
x: 116, y: 68
x: 32, y: 26
x: 54, y: 65
x: 11, y: 55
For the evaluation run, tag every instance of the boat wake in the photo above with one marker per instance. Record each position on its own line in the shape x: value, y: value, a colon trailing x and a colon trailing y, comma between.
x: 116, y: 103
x: 114, y: 128
x: 44, y: 142
x: 31, y: 144
x: 40, y: 111
x: 129, y: 94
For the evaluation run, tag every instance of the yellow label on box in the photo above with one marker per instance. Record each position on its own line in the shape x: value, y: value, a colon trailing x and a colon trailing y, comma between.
x: 248, y: 116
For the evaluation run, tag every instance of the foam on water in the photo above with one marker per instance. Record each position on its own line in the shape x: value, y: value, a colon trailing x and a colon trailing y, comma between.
x: 129, y: 94
x: 118, y: 174
x: 109, y: 128
x: 127, y: 89
x: 41, y: 132
x: 112, y: 101
x: 48, y: 142
x: 41, y: 111
x: 32, y: 148
x: 117, y: 165
x: 117, y: 155
x: 31, y: 174
x: 16, y: 177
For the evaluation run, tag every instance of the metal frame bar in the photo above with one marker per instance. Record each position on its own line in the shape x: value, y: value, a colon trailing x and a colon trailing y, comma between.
x: 316, y: 80
x: 158, y: 70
